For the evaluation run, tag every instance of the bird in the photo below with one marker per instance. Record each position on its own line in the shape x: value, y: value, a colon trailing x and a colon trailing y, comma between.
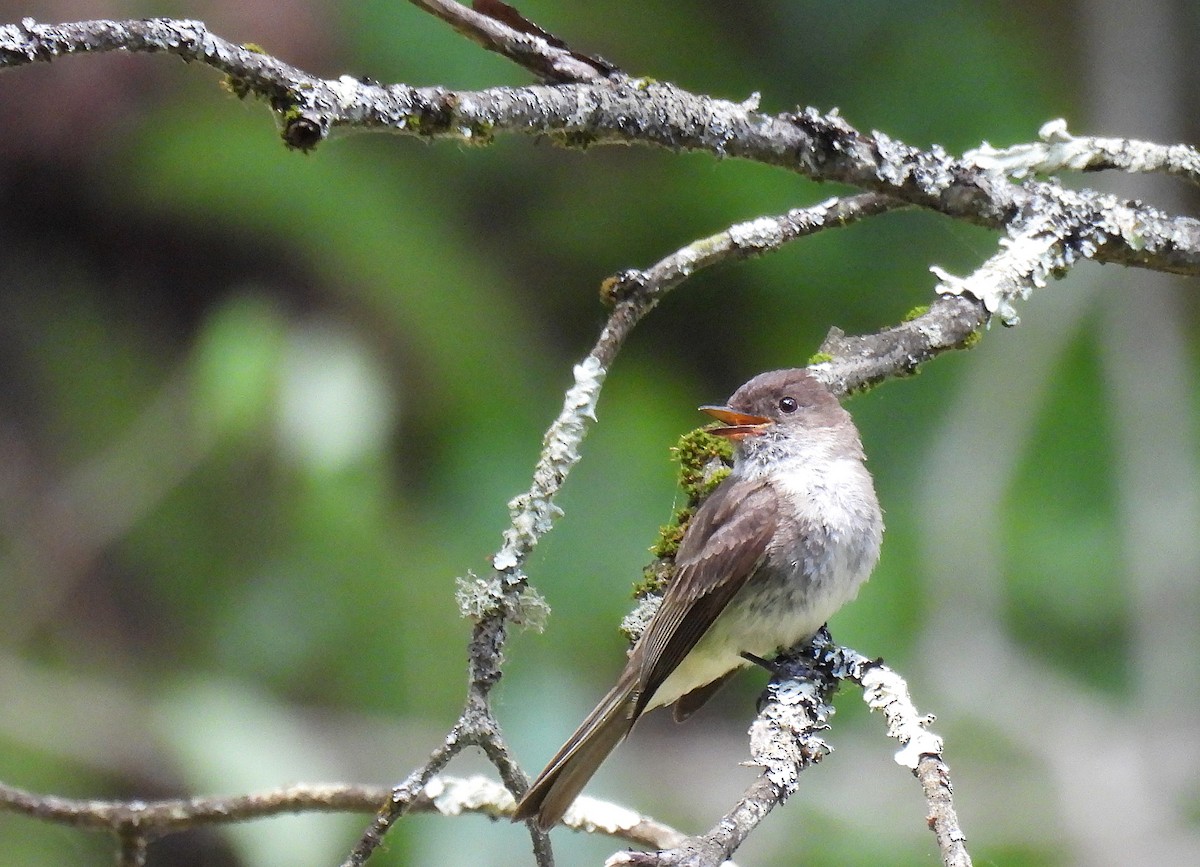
x: 780, y: 544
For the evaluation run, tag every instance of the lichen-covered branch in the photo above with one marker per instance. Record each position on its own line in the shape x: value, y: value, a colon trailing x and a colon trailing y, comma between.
x: 921, y: 750
x: 785, y: 739
x: 850, y: 363
x: 33, y: 42
x: 1058, y: 151
x: 1025, y: 262
x: 625, y: 110
x: 445, y: 795
x: 743, y: 241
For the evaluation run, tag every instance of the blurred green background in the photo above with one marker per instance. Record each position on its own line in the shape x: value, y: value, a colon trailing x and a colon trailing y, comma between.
x: 259, y: 409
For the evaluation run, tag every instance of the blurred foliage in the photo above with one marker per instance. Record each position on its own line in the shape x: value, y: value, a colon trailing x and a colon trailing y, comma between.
x: 259, y: 409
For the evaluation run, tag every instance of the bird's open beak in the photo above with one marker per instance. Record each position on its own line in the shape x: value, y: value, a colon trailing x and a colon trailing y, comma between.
x: 740, y: 424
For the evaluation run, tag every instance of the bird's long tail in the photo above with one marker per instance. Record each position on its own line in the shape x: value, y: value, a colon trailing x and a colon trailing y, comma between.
x: 567, y: 773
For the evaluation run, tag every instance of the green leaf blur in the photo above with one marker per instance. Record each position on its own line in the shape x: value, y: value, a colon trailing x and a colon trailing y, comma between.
x: 260, y: 409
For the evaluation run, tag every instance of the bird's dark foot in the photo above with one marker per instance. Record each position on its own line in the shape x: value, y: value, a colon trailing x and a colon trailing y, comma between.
x: 768, y: 664
x: 786, y: 666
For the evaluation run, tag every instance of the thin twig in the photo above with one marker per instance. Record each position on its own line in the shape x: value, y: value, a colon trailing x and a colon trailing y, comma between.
x: 531, y: 47
x: 934, y: 776
x: 921, y: 750
x: 133, y: 845
x: 155, y: 818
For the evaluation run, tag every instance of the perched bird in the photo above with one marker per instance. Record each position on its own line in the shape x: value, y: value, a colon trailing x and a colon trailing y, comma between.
x: 779, y: 546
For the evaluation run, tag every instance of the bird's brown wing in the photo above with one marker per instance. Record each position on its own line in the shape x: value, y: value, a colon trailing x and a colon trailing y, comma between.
x: 689, y: 703
x: 724, y: 544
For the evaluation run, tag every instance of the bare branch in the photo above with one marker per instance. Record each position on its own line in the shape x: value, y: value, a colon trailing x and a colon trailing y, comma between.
x: 154, y: 818
x: 529, y: 46
x: 133, y: 845
x: 934, y: 775
x: 403, y: 798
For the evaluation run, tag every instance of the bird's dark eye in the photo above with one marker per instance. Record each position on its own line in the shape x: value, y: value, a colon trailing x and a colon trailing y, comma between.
x: 788, y: 404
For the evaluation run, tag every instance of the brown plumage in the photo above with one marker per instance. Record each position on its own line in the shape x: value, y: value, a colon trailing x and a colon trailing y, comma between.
x: 767, y: 558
